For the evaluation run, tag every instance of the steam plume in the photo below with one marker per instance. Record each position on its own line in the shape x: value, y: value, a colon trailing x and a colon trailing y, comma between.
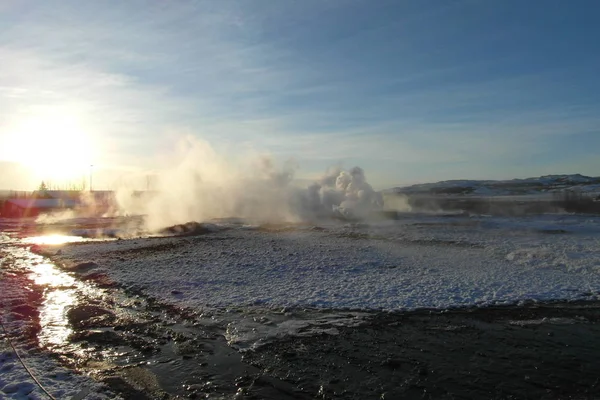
x: 202, y: 185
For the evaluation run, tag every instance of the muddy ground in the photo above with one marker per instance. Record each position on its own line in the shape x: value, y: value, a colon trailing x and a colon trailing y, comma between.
x: 543, y: 351
x: 537, y: 351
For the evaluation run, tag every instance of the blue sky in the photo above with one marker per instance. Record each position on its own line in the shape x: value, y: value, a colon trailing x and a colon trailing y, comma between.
x: 411, y: 91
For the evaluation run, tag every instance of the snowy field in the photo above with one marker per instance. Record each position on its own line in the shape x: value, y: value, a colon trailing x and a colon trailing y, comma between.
x: 419, y: 261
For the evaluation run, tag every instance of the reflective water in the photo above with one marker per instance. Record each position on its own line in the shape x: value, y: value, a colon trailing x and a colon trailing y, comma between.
x: 59, y: 294
x: 60, y: 291
x: 53, y: 239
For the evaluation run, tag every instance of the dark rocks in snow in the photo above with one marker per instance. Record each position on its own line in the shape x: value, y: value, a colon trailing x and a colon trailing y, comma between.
x: 188, y: 229
x: 100, y: 278
x: 84, y: 267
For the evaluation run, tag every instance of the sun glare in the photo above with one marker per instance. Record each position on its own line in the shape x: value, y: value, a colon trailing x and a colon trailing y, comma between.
x: 55, y: 147
x: 54, y: 239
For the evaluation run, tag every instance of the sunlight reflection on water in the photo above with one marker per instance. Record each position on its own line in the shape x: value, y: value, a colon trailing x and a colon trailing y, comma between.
x: 47, y: 274
x: 54, y: 239
x: 60, y: 290
x: 55, y: 327
x: 58, y: 298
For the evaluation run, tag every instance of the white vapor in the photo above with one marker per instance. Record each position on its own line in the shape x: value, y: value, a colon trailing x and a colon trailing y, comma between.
x: 202, y: 185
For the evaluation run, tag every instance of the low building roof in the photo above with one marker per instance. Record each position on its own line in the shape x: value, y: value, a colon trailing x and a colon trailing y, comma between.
x: 43, y: 203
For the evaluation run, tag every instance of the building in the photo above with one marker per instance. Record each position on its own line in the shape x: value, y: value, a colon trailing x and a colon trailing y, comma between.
x: 32, y: 207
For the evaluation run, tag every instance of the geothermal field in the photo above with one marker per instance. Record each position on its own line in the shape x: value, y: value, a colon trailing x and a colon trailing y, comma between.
x: 289, y: 293
x: 299, y: 199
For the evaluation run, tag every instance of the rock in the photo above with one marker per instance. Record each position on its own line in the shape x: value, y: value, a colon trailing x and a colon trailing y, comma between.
x: 88, y: 315
x: 84, y: 267
x: 188, y: 229
x: 100, y: 278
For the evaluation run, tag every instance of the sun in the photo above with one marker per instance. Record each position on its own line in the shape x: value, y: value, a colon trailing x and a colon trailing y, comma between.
x: 55, y: 147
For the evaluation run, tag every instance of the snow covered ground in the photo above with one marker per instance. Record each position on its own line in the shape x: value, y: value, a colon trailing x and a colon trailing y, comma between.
x: 420, y: 261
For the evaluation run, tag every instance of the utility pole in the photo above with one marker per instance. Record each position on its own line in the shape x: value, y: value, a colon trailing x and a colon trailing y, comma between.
x: 91, y: 169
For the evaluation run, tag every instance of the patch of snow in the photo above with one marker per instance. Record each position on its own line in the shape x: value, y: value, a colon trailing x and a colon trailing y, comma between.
x: 535, y: 322
x: 15, y: 382
x: 431, y: 262
x: 250, y: 333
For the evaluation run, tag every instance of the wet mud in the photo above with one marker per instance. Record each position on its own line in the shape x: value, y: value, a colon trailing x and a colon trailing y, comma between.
x: 548, y: 351
x: 145, y: 349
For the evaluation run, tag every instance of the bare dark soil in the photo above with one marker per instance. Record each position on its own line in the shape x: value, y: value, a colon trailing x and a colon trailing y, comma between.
x: 537, y: 351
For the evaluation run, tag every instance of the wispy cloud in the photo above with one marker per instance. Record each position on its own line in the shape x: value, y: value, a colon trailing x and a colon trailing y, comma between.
x: 325, y: 82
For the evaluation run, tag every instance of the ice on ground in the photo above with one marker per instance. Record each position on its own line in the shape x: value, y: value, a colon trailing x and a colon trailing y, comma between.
x: 250, y: 332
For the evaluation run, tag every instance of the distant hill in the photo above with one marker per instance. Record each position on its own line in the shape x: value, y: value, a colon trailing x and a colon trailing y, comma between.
x: 529, y: 186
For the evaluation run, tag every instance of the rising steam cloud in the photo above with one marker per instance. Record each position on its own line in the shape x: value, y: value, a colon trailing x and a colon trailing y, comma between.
x: 203, y: 185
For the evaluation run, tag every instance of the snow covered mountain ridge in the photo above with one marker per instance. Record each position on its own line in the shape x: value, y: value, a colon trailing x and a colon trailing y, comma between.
x: 543, y: 184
